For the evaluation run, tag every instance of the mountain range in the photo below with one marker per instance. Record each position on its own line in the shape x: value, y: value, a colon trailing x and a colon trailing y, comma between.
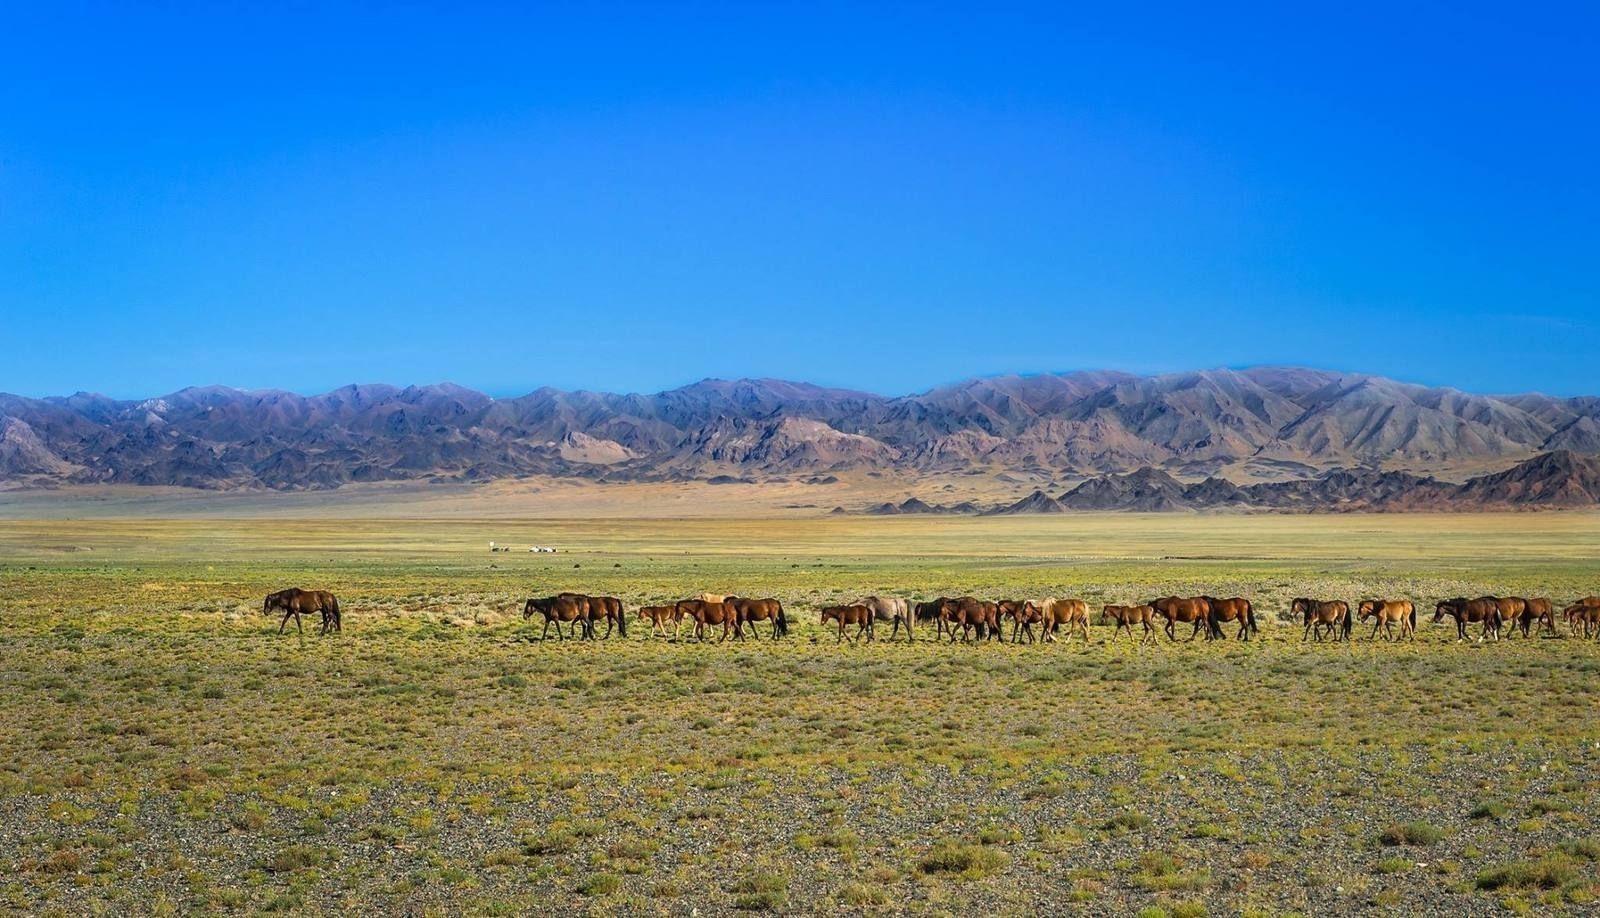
x: 1197, y: 439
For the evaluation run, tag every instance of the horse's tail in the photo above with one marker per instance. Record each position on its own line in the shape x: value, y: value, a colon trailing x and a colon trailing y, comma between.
x: 781, y: 622
x: 1350, y: 620
x: 1413, y: 618
x: 1250, y: 616
x: 622, y: 619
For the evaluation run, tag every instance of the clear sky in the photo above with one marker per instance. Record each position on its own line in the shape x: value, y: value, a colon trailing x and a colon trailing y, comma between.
x: 886, y: 197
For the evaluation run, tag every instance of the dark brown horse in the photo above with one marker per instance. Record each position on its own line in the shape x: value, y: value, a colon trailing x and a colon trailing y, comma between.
x: 1484, y: 609
x: 1195, y: 610
x: 1127, y: 617
x: 1238, y: 609
x: 1387, y: 613
x: 1333, y: 614
x: 562, y: 607
x: 750, y: 611
x: 857, y: 615
x: 296, y: 602
x: 707, y: 613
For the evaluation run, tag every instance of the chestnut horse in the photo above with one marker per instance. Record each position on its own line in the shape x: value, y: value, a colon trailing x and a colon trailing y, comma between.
x: 706, y: 613
x: 1194, y: 610
x: 857, y: 615
x: 750, y: 611
x: 970, y: 613
x: 1333, y: 614
x: 1387, y: 613
x: 1584, y: 614
x: 1074, y: 613
x: 1483, y: 609
x: 1236, y: 609
x: 608, y: 609
x: 1023, y: 614
x: 296, y: 602
x: 1513, y: 609
x: 1540, y: 610
x: 1126, y: 616
x: 658, y: 617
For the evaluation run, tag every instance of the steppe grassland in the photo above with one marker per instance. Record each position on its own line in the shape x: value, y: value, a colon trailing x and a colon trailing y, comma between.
x: 166, y: 749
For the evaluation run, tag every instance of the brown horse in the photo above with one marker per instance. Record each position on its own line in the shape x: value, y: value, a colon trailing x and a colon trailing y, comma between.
x: 1540, y: 611
x: 296, y: 602
x: 1195, y: 610
x: 1584, y: 614
x: 750, y: 611
x: 562, y: 607
x: 929, y: 611
x: 1023, y: 614
x: 609, y: 610
x: 1513, y: 609
x: 970, y: 613
x: 857, y: 615
x: 1521, y: 613
x: 1236, y: 609
x: 707, y: 613
x: 1332, y: 614
x: 1387, y: 613
x: 1127, y: 616
x: 658, y: 617
x: 1484, y: 609
x: 1074, y: 613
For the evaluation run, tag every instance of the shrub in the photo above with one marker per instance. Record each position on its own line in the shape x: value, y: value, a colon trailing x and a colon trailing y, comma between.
x: 1411, y: 833
x: 600, y: 884
x: 971, y: 861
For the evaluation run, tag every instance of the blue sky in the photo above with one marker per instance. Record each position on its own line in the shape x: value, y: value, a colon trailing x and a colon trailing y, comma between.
x: 887, y: 197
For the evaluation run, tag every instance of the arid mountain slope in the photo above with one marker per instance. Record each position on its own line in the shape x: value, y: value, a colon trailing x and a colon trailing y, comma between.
x: 1241, y: 428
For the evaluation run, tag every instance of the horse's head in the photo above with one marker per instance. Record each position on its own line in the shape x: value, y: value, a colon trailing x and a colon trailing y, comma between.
x: 528, y: 608
x: 1300, y: 607
x: 1442, y: 608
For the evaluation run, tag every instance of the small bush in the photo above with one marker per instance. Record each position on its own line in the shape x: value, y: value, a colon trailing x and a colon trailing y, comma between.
x: 1127, y: 820
x: 600, y: 884
x: 1547, y: 873
x: 971, y: 861
x: 1488, y: 809
x: 1411, y: 833
x: 761, y: 892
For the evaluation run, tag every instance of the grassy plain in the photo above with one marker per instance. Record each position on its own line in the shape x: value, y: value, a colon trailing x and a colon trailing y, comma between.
x: 163, y: 750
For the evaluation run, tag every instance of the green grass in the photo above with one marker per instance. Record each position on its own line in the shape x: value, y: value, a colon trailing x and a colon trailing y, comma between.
x: 160, y: 739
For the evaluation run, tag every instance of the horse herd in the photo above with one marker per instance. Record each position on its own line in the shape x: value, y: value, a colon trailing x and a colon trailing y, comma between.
x: 968, y: 618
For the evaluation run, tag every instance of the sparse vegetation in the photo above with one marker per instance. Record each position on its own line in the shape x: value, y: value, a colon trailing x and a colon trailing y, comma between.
x: 162, y: 743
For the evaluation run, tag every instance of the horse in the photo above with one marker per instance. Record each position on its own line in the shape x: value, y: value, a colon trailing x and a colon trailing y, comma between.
x: 706, y: 613
x: 1236, y: 609
x: 1585, y: 613
x: 1513, y: 612
x: 713, y: 597
x: 1332, y: 614
x: 970, y: 613
x: 1541, y: 611
x: 1126, y: 616
x: 610, y: 610
x: 1483, y: 609
x: 296, y: 602
x: 890, y: 609
x: 928, y: 611
x: 562, y: 607
x: 1023, y: 614
x: 1074, y: 613
x: 857, y: 615
x: 1386, y: 614
x: 750, y: 611
x: 1195, y: 609
x: 658, y: 616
